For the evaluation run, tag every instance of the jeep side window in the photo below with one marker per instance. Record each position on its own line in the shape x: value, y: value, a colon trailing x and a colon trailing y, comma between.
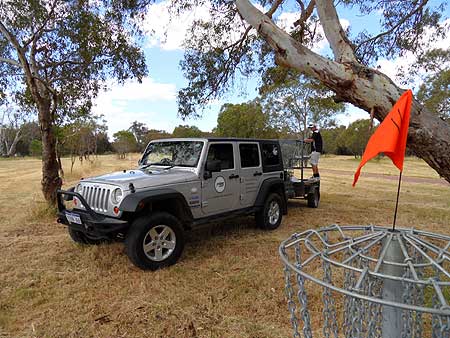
x: 249, y: 155
x: 271, y: 154
x: 222, y: 152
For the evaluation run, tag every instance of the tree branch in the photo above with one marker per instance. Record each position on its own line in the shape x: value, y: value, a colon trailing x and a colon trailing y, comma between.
x: 10, y: 61
x: 274, y: 8
x: 339, y: 43
x: 289, y: 51
x: 41, y: 28
x: 20, y: 51
x: 306, y: 12
x: 401, y: 22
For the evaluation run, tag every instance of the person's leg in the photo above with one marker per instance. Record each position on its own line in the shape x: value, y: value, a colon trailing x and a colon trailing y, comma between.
x: 315, y: 170
x: 314, y: 163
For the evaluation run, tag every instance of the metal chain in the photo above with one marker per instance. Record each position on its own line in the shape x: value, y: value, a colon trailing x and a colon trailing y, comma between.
x: 371, y: 327
x: 436, y: 322
x: 406, y: 314
x: 329, y: 309
x: 418, y: 296
x: 302, y: 298
x: 289, y: 291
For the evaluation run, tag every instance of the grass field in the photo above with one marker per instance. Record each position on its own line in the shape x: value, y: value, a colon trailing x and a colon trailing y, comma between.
x: 229, y: 282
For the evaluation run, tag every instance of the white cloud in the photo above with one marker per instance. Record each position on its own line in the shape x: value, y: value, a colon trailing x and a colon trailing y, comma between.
x: 169, y: 33
x: 117, y: 103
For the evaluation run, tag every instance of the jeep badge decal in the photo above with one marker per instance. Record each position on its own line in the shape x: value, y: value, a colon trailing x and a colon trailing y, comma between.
x: 219, y: 184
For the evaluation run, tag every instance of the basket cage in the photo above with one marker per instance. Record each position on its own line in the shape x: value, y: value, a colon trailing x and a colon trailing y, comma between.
x: 367, y: 281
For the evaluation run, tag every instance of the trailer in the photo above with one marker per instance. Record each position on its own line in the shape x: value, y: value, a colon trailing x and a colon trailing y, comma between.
x: 298, y: 183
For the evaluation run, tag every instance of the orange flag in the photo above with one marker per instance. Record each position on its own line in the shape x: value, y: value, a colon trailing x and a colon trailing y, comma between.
x: 390, y: 136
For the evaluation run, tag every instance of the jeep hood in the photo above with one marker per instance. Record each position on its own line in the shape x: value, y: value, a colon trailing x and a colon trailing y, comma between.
x: 144, y: 178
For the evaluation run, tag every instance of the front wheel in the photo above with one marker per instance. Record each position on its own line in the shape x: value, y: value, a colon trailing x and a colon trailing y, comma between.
x: 155, y: 241
x: 269, y: 218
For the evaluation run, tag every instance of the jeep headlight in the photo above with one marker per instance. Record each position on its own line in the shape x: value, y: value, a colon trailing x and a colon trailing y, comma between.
x: 116, y: 196
x: 78, y: 188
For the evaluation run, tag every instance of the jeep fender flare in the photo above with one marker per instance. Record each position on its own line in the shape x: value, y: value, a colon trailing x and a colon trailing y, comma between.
x: 273, y: 184
x: 131, y: 202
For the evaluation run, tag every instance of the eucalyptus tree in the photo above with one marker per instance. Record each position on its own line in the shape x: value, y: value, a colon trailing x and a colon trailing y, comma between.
x: 247, y: 120
x: 294, y: 100
x: 434, y: 92
x: 241, y: 39
x: 57, y: 55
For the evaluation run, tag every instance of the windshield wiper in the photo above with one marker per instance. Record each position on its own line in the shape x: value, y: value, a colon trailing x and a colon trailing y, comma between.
x: 145, y: 166
x: 169, y: 167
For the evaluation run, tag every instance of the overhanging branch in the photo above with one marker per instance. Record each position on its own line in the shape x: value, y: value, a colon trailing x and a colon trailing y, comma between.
x: 339, y: 43
x: 10, y: 61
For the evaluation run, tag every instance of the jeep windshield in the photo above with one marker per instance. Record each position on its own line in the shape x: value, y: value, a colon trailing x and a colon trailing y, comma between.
x: 172, y: 153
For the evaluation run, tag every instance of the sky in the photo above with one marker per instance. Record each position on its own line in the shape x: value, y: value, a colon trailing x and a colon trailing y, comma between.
x: 154, y: 101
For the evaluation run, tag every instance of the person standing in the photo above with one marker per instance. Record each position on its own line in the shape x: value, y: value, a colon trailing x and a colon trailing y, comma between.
x: 316, y: 148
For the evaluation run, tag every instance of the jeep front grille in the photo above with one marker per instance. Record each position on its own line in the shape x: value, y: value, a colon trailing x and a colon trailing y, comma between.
x: 96, y: 196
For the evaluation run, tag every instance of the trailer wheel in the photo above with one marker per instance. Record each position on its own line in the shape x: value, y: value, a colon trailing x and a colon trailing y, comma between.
x: 314, y: 198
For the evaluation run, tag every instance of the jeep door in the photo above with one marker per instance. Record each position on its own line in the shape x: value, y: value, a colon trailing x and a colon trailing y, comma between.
x: 250, y: 172
x: 220, y: 190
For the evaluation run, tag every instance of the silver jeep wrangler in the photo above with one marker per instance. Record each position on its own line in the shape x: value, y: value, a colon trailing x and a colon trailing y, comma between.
x: 179, y: 184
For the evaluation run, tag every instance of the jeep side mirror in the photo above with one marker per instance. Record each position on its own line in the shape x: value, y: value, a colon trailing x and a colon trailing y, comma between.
x: 212, y: 166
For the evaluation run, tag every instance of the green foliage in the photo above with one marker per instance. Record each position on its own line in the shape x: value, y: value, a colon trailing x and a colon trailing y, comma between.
x: 154, y: 134
x: 434, y: 93
x: 35, y: 148
x: 354, y: 139
x: 403, y: 24
x: 80, y: 138
x: 245, y: 120
x: 220, y: 50
x: 330, y: 138
x: 186, y: 131
x: 124, y: 142
x: 72, y: 47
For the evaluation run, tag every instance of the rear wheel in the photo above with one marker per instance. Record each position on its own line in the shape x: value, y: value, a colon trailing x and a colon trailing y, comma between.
x: 269, y: 218
x: 314, y: 198
x: 80, y: 237
x: 155, y: 242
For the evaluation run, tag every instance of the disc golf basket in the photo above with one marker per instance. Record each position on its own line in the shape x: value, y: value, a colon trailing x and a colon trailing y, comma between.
x: 367, y: 281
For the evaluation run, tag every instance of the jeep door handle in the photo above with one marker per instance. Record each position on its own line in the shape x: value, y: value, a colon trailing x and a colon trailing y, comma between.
x: 257, y: 173
x: 233, y: 176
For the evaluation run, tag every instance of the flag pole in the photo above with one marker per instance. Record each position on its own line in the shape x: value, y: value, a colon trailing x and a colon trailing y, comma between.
x: 396, y: 203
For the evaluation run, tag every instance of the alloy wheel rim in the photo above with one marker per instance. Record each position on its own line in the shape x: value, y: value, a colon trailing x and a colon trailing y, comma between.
x: 274, y: 212
x: 159, y: 243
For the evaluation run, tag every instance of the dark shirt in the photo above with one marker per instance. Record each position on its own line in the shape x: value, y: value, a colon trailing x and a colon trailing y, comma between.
x: 317, y: 144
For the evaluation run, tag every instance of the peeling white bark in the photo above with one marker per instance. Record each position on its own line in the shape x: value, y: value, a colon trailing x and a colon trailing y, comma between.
x: 339, y: 43
x: 366, y: 88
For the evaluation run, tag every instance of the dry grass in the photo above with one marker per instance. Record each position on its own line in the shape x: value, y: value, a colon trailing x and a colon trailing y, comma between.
x: 229, y: 282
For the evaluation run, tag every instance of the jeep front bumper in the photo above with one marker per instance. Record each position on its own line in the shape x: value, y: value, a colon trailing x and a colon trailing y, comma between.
x: 87, y: 221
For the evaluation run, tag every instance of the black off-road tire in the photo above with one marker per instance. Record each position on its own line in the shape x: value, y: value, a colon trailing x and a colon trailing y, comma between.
x: 265, y: 218
x: 314, y: 199
x: 143, y: 231
x: 81, y: 238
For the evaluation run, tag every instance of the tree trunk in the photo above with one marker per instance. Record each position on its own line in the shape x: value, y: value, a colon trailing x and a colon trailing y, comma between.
x: 50, y: 168
x: 12, y: 148
x: 366, y: 88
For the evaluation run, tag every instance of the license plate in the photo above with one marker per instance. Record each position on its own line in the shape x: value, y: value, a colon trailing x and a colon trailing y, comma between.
x: 73, y: 218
